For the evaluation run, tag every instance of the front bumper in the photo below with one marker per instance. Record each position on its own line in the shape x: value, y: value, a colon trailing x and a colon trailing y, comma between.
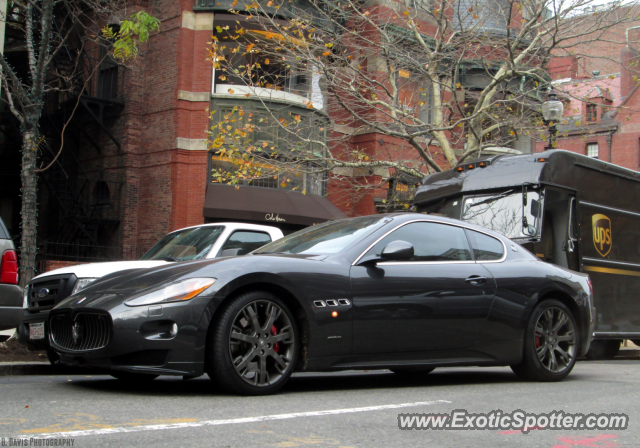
x: 166, y: 340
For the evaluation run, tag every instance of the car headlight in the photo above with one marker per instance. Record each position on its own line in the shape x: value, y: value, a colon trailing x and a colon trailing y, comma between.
x: 175, y: 292
x: 82, y: 283
x: 25, y: 297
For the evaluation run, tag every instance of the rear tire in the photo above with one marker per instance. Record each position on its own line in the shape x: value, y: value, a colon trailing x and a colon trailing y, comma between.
x: 131, y: 377
x: 253, y: 345
x: 551, y: 343
x: 604, y: 349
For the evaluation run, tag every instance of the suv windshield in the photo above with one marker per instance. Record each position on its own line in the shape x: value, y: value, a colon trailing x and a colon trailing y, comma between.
x: 504, y: 213
x: 324, y: 239
x: 187, y: 244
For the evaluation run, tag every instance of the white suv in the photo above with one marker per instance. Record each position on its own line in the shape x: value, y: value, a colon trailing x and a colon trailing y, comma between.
x: 192, y: 243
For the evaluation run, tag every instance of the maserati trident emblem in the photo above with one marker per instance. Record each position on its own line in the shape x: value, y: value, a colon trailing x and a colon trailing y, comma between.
x: 44, y: 292
x: 77, y: 332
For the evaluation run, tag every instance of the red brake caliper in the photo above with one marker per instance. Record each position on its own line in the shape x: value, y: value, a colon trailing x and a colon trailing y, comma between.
x: 538, y: 341
x: 274, y: 331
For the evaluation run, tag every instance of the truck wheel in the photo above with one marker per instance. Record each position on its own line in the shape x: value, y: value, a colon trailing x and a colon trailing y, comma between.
x: 550, y: 343
x: 253, y: 345
x: 604, y: 349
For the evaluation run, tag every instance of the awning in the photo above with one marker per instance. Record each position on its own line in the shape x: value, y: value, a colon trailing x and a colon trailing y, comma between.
x: 270, y: 205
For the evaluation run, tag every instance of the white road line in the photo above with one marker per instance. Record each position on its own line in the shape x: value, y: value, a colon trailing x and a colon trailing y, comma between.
x: 233, y: 421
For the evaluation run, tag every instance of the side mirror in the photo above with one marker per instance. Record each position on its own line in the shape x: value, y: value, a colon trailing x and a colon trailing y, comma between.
x: 397, y: 250
x: 535, y: 208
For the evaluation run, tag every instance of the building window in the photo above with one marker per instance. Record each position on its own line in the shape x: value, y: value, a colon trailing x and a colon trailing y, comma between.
x: 592, y: 112
x: 107, y: 86
x: 592, y: 150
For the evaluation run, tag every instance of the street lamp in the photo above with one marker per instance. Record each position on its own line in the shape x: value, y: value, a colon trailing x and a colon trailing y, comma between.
x: 552, y: 111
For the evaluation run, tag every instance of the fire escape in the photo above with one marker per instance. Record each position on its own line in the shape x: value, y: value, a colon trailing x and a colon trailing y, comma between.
x: 81, y: 208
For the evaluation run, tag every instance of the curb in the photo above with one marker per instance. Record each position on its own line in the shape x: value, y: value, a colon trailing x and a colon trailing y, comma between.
x: 37, y: 368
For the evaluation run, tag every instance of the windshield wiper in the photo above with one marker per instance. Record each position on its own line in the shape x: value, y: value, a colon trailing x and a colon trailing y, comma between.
x: 170, y: 259
x: 492, y: 198
x: 260, y: 253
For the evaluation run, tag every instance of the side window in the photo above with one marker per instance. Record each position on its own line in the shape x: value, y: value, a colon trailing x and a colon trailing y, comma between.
x: 246, y: 240
x: 431, y: 242
x: 485, y: 247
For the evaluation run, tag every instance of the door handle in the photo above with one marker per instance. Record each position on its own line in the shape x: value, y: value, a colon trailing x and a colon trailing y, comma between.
x: 476, y: 280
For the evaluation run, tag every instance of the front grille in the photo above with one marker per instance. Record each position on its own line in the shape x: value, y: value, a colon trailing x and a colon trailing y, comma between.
x: 47, y: 292
x: 85, y: 331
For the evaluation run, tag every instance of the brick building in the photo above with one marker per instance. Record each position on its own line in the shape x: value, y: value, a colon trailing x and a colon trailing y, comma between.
x: 136, y: 163
x: 599, y: 88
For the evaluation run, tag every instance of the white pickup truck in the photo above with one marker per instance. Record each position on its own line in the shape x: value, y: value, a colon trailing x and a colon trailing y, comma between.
x: 192, y: 243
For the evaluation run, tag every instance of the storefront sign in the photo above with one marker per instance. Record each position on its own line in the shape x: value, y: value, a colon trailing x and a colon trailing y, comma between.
x: 272, y: 217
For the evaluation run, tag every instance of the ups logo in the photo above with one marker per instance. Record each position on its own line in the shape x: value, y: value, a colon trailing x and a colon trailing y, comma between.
x: 601, y: 234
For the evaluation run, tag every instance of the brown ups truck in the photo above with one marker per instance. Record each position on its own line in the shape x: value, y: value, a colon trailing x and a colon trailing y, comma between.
x: 568, y: 209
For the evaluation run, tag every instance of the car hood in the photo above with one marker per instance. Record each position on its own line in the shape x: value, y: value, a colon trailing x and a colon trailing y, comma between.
x: 118, y: 287
x: 97, y: 270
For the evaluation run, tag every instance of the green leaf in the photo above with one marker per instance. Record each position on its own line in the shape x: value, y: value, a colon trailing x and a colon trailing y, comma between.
x: 133, y: 31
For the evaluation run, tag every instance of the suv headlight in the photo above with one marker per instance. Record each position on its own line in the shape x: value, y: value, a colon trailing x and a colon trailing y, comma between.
x: 82, y: 283
x: 25, y: 297
x: 174, y: 292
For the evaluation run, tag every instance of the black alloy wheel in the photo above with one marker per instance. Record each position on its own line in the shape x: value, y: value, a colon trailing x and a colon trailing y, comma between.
x: 254, y: 345
x: 550, y: 343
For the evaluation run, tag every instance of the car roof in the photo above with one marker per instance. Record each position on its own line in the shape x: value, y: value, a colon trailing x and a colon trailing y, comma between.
x: 409, y: 216
x: 232, y: 226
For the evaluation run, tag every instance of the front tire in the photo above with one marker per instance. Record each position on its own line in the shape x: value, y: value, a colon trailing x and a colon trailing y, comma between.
x: 550, y: 343
x: 253, y: 345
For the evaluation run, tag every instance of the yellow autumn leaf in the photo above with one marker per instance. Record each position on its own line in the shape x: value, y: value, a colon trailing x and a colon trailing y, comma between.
x: 231, y: 91
x: 266, y: 61
x: 458, y: 85
x: 326, y: 53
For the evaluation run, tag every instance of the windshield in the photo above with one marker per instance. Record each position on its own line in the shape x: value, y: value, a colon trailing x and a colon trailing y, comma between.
x: 187, y: 244
x: 503, y: 212
x: 324, y: 239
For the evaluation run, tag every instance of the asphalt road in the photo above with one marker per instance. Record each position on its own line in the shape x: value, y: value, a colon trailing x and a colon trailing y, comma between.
x: 362, y: 409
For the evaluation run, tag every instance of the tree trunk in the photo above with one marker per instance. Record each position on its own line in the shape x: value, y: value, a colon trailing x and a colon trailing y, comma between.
x: 29, y: 206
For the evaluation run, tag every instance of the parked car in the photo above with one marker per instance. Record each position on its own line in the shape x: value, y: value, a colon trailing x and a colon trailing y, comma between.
x: 192, y: 243
x: 406, y: 292
x: 10, y: 292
